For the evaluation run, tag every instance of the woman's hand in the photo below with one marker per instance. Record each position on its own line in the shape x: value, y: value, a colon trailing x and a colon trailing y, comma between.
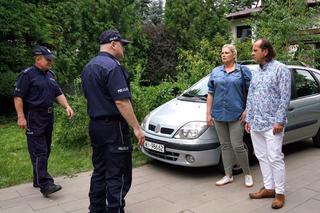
x: 243, y: 117
x: 209, y: 120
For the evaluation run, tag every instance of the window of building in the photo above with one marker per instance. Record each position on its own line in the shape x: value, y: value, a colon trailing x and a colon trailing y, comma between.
x: 244, y: 32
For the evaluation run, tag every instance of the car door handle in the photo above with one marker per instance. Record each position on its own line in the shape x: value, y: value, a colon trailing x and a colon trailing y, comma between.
x: 290, y: 109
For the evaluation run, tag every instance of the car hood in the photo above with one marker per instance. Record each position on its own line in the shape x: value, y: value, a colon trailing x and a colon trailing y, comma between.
x: 176, y: 113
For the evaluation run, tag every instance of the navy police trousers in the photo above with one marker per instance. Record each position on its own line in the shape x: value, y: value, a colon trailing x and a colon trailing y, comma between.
x: 111, y: 159
x: 39, y: 133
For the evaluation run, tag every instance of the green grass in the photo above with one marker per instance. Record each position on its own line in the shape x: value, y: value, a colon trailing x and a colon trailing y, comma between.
x: 15, y: 163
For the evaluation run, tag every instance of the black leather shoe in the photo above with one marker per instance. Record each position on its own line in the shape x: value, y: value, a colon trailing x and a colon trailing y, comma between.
x: 51, y: 189
x: 36, y: 185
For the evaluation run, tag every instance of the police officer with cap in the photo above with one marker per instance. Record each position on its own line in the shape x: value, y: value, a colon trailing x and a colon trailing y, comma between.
x: 106, y: 88
x: 36, y: 90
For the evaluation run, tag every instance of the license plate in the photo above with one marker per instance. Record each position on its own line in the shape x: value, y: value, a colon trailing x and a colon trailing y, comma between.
x: 154, y: 146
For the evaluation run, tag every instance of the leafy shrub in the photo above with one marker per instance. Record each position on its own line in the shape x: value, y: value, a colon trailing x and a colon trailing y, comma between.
x: 7, y: 80
x: 72, y: 132
x: 145, y: 99
x: 244, y: 47
x: 194, y: 65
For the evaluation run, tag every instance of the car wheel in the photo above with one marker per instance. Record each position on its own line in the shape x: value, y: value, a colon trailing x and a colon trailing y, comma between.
x: 236, y: 168
x: 316, y: 139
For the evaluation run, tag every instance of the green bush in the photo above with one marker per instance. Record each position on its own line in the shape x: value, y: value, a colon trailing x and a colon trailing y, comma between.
x: 72, y: 132
x: 145, y: 99
x: 194, y: 65
x: 7, y: 81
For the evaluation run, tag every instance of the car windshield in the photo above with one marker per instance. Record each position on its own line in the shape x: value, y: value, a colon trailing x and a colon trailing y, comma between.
x: 200, y: 89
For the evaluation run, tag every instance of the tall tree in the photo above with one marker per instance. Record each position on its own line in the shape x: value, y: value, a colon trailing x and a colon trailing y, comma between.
x: 162, y: 55
x: 285, y: 22
x: 238, y: 5
x: 190, y: 21
x: 152, y: 11
x: 22, y: 26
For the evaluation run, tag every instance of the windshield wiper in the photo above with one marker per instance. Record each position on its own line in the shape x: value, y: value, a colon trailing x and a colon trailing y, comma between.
x: 202, y: 97
x: 188, y: 95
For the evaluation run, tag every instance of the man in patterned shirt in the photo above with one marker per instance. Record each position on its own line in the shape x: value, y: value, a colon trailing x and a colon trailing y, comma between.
x: 267, y: 104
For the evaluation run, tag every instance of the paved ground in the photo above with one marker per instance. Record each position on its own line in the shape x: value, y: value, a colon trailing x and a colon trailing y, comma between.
x: 159, y: 188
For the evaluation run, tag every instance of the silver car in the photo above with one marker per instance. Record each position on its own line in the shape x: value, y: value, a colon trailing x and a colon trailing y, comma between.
x: 176, y: 132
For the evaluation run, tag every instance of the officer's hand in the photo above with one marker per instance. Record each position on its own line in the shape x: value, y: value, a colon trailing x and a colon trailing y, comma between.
x: 139, y: 135
x: 22, y: 122
x: 277, y: 128
x: 70, y: 112
x: 247, y: 127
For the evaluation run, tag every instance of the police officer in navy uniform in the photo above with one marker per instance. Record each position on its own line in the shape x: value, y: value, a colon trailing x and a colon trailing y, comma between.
x: 106, y: 88
x: 36, y: 90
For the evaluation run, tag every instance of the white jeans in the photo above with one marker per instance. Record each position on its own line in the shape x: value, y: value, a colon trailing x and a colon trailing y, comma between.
x: 268, y: 150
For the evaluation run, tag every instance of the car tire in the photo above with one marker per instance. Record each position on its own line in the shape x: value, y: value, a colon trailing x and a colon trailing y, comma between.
x: 236, y: 168
x: 316, y: 139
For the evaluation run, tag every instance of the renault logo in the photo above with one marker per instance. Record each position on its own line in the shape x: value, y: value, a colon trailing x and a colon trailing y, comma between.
x: 157, y: 129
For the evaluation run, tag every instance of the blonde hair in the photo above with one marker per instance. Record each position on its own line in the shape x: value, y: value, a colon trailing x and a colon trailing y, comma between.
x: 233, y: 49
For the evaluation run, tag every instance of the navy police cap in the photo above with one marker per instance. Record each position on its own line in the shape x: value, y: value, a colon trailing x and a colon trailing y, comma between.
x: 110, y: 35
x: 42, y: 50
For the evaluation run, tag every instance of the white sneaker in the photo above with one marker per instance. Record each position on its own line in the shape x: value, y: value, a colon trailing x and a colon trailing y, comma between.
x: 224, y: 181
x: 248, y: 181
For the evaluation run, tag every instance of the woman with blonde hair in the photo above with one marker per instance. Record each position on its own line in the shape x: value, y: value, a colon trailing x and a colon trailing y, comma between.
x: 226, y: 104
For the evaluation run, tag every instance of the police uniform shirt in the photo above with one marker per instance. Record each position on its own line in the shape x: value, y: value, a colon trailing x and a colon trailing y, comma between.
x: 103, y: 82
x: 37, y: 88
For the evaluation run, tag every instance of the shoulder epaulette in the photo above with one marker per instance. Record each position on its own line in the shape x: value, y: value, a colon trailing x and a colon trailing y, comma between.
x: 54, y: 75
x: 25, y: 71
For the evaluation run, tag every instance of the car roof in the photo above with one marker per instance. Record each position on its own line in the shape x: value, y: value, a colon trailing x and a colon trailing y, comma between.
x: 255, y: 66
x: 298, y: 63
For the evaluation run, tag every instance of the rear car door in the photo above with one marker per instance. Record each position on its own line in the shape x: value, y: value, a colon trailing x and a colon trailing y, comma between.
x: 304, y: 109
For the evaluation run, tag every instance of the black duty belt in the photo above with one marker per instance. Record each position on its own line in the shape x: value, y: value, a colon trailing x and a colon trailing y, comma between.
x: 41, y: 109
x: 109, y: 118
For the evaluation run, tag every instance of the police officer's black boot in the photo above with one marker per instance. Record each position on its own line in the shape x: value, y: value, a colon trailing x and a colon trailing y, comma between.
x: 52, y: 188
x: 35, y: 185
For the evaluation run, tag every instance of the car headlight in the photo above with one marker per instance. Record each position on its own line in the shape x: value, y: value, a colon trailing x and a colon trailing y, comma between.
x: 191, y: 130
x: 144, y: 122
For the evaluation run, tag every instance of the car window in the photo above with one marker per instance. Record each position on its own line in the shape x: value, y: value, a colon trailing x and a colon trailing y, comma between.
x: 317, y: 75
x: 305, y: 84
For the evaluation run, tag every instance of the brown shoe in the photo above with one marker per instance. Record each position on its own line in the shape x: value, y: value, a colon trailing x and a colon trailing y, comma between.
x: 263, y: 193
x: 278, y: 201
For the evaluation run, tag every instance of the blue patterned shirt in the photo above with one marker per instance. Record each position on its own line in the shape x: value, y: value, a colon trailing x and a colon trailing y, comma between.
x: 269, y: 96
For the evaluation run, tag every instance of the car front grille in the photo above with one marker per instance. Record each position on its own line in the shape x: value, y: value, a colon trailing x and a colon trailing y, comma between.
x: 152, y: 127
x: 163, y: 130
x: 173, y: 156
x: 166, y: 131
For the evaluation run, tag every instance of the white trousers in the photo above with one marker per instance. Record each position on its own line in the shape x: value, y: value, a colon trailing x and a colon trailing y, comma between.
x: 268, y: 150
